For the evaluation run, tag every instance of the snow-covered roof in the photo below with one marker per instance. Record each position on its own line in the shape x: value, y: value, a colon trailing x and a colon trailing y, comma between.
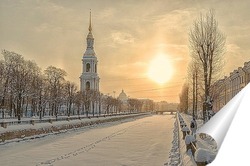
x: 122, y: 96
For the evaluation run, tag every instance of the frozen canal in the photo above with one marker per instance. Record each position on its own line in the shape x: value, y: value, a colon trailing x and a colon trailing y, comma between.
x: 132, y: 142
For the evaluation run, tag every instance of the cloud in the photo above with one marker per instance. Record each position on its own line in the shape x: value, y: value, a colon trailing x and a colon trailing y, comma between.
x: 176, y: 18
x: 233, y: 48
x: 127, y: 34
x: 106, y: 13
x: 122, y: 37
x: 48, y: 28
x: 129, y: 69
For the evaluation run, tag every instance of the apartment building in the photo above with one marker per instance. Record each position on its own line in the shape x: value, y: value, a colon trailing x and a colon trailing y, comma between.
x: 223, y: 90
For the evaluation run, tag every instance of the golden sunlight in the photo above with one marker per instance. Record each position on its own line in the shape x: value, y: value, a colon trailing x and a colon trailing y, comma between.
x: 160, y: 69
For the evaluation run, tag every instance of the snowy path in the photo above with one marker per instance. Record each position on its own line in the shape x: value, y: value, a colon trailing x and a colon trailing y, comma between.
x: 142, y: 141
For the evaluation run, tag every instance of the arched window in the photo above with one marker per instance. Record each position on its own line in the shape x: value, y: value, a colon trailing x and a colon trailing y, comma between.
x: 87, y: 85
x: 87, y: 67
x: 95, y: 69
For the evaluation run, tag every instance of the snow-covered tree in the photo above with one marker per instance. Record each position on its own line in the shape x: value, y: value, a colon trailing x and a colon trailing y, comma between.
x: 70, y: 95
x: 207, y: 45
x: 54, y: 78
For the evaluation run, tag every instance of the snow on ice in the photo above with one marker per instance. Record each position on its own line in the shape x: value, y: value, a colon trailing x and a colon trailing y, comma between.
x: 138, y: 141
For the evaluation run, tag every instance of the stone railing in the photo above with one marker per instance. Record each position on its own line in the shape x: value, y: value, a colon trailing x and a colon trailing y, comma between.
x: 201, y: 156
x: 7, y: 122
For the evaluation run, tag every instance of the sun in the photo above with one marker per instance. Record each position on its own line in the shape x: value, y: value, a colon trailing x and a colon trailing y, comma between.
x: 160, y: 69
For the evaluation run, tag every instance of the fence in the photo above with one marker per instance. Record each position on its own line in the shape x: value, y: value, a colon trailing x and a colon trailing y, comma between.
x: 32, y: 121
x: 191, y: 144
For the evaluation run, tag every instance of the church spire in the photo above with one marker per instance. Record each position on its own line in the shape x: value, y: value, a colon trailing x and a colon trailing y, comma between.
x: 90, y: 27
x: 90, y: 38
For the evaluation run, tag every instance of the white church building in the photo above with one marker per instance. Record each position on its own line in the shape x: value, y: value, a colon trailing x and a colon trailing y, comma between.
x: 89, y: 79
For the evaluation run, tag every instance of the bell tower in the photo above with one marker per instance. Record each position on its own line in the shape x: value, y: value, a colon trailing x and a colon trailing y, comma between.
x: 89, y: 80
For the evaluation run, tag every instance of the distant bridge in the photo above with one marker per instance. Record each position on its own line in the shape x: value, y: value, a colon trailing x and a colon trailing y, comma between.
x: 162, y: 111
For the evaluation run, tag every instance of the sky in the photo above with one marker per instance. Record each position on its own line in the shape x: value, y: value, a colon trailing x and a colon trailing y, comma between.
x: 129, y: 35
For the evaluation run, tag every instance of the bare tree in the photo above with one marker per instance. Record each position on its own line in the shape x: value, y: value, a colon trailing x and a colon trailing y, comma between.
x: 55, y: 79
x: 87, y: 101
x: 78, y: 102
x: 207, y: 45
x: 99, y: 99
x: 93, y: 100
x: 138, y: 105
x: 42, y: 95
x: 149, y: 105
x: 26, y: 91
x: 19, y: 84
x: 184, y: 98
x: 107, y: 101
x: 194, y: 77
x: 18, y: 80
x: 134, y: 105
x: 6, y: 78
x: 70, y: 94
x: 119, y: 105
x: 131, y: 104
x: 33, y: 81
x: 3, y: 87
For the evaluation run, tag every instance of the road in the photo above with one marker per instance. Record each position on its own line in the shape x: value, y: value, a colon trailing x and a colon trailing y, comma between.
x: 132, y: 142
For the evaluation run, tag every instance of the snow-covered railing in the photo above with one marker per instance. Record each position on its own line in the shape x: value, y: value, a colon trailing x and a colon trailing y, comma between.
x: 189, y: 142
x: 21, y: 132
x: 4, y: 123
x: 201, y: 156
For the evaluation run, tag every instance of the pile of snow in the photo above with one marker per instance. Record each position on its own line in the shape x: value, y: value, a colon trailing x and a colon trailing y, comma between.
x: 182, y: 123
x: 204, y: 155
x: 174, y: 154
x: 189, y: 139
x: 185, y: 128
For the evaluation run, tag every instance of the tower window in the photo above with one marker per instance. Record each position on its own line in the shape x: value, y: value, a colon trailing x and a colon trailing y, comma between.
x: 87, y: 85
x: 95, y: 68
x: 87, y: 67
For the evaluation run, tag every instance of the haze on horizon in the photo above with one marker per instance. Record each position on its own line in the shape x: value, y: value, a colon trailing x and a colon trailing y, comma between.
x: 129, y: 35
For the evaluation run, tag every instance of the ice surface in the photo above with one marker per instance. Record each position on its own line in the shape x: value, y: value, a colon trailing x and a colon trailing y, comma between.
x: 143, y: 141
